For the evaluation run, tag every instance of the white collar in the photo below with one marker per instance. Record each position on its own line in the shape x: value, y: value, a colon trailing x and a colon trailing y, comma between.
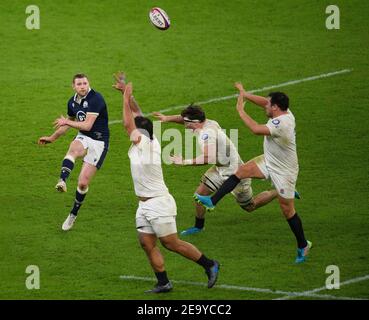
x: 76, y: 94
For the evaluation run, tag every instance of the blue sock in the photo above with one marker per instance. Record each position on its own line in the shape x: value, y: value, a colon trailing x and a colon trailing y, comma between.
x: 67, y: 167
x: 80, y: 196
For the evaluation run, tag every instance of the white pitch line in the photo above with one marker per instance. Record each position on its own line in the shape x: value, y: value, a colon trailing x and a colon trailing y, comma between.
x: 354, y: 280
x: 274, y: 86
x: 232, y: 287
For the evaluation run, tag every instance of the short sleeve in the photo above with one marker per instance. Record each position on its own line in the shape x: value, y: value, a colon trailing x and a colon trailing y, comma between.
x: 207, y: 137
x: 275, y: 127
x: 70, y: 109
x: 144, y: 143
x: 96, y: 105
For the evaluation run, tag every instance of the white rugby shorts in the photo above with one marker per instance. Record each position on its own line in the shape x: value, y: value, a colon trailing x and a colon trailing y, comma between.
x: 96, y: 150
x: 157, y: 216
x: 284, y: 184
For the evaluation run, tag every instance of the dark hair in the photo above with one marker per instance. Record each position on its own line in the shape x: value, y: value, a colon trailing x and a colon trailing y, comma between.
x: 79, y: 76
x: 193, y: 112
x: 145, y: 126
x: 280, y: 99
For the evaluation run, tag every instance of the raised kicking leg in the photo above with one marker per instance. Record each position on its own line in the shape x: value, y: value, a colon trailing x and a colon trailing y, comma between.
x: 247, y: 170
x: 76, y: 150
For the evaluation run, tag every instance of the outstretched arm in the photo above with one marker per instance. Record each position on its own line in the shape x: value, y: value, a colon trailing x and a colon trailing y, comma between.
x: 258, y: 100
x: 172, y: 118
x: 120, y: 85
x: 255, y: 128
x: 58, y: 133
x: 128, y: 115
x: 135, y: 108
x: 128, y: 118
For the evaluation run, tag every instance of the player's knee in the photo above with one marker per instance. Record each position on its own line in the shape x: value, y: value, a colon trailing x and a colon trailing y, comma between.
x: 249, y: 207
x: 76, y: 150
x: 83, y: 183
x: 167, y: 245
x: 170, y: 245
x: 203, y: 192
x: 287, y: 210
x: 288, y: 214
x: 146, y: 245
x: 73, y: 153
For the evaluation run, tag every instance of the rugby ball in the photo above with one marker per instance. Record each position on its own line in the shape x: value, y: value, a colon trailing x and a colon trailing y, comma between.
x: 159, y: 18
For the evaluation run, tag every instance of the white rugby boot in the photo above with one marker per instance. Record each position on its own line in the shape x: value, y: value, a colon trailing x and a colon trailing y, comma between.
x: 69, y: 222
x: 61, y: 186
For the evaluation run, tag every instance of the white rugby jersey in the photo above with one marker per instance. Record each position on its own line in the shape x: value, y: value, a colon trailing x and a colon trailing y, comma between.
x: 147, y: 174
x: 227, y: 158
x: 280, y: 147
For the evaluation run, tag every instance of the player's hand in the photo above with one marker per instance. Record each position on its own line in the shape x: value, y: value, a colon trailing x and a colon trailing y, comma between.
x: 178, y: 160
x: 239, y: 86
x: 120, y: 81
x: 45, y: 140
x: 60, y: 122
x: 160, y: 116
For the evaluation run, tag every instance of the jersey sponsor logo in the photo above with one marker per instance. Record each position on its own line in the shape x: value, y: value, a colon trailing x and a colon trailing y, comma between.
x: 205, y: 136
x: 81, y: 116
x: 98, y: 135
x: 276, y: 122
x: 85, y: 104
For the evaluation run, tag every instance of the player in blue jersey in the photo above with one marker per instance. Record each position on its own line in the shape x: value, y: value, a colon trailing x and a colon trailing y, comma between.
x: 87, y: 112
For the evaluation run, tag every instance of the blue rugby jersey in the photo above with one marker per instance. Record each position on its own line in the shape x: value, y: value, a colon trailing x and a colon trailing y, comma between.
x: 93, y: 103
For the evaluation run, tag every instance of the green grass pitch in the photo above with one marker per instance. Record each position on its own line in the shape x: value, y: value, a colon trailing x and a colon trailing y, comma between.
x: 209, y: 46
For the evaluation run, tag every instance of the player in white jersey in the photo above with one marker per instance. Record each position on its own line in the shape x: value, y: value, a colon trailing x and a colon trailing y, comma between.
x: 219, y: 150
x: 156, y: 213
x: 279, y: 162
